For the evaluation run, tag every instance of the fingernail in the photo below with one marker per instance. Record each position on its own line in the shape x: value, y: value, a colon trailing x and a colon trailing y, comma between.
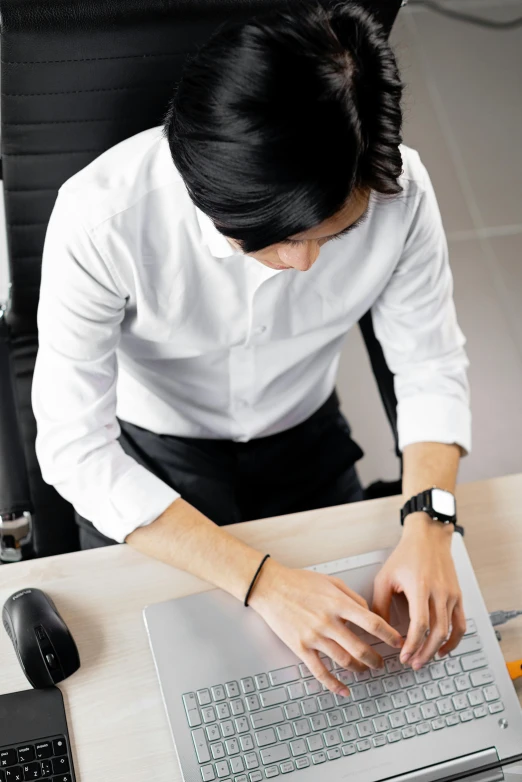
x: 345, y: 691
x: 416, y: 665
x: 399, y: 644
x: 405, y: 657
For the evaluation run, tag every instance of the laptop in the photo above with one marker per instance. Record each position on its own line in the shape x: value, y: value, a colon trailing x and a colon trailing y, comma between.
x: 243, y: 708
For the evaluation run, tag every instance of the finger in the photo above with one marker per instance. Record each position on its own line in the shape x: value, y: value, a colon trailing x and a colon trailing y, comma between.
x: 382, y: 597
x: 341, y: 657
x: 360, y: 651
x: 316, y: 667
x: 458, y: 628
x: 347, y: 591
x: 439, y: 630
x: 418, y: 607
x: 373, y: 624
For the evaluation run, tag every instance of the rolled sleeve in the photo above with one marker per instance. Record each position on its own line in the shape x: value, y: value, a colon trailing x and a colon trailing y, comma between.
x: 415, y: 321
x: 81, y: 308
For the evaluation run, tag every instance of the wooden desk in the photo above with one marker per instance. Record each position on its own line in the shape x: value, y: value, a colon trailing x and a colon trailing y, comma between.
x: 116, y: 718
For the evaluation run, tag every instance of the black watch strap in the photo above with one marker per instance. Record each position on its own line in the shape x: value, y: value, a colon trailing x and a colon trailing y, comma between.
x: 421, y: 503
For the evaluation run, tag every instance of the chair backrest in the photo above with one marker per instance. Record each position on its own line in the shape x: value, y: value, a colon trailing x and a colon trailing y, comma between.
x: 78, y: 76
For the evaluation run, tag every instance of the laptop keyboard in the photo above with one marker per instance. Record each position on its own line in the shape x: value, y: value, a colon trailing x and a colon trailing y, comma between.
x: 46, y: 759
x: 284, y: 720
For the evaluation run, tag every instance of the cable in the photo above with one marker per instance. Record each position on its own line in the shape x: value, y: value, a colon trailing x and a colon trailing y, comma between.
x: 491, y: 24
x: 501, y: 617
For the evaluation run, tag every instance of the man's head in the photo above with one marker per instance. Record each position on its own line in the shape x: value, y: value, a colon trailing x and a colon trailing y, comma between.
x: 282, y: 126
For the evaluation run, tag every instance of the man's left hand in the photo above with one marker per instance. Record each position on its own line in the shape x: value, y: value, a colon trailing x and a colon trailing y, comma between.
x: 422, y: 568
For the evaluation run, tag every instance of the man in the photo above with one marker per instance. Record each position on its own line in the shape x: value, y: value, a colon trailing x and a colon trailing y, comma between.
x: 197, y: 285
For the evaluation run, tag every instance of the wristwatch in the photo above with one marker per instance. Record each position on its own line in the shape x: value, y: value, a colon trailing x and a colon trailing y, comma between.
x: 439, y: 504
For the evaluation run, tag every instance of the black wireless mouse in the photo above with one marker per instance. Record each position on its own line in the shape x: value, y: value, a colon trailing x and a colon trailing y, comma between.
x: 43, y: 644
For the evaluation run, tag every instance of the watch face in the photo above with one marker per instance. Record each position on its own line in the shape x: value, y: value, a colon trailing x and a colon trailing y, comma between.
x: 443, y: 502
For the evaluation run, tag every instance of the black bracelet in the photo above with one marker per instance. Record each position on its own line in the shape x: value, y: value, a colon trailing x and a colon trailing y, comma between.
x: 258, y: 571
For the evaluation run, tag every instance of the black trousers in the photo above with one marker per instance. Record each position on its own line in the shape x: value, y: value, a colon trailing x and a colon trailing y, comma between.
x: 306, y: 467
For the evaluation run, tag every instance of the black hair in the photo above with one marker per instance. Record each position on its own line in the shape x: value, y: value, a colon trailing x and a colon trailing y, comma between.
x: 278, y: 120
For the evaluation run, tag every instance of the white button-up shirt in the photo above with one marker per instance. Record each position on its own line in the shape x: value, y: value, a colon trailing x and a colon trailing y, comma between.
x: 148, y: 314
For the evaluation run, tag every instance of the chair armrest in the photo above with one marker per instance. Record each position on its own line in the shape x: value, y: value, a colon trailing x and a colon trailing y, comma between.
x: 15, y: 499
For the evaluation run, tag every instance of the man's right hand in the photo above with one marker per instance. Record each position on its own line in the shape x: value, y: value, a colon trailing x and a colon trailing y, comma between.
x: 309, y: 611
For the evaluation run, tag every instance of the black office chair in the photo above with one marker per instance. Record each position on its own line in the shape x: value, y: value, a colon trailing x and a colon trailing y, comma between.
x: 78, y: 76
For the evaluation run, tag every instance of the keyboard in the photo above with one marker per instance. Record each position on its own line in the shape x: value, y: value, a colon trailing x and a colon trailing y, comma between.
x: 284, y: 720
x: 45, y: 759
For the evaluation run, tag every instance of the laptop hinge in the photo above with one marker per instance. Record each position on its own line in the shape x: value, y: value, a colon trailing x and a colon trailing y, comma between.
x: 469, y: 767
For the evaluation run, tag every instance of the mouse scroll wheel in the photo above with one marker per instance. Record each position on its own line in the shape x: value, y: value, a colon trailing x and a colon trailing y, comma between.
x: 51, y: 660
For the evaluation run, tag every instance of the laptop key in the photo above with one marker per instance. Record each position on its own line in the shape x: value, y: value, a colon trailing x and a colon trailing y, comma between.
x: 213, y: 733
x: 265, y: 737
x: 444, y: 706
x: 447, y: 686
x: 271, y: 771
x: 431, y: 691
x: 247, y: 685
x: 422, y: 676
x: 348, y: 733
x: 296, y: 690
x: 384, y: 704
x: 364, y: 728
x: 460, y: 702
x: 462, y: 682
x: 413, y: 714
x: 438, y: 723
x: 315, y: 742
x: 422, y: 728
x: 284, y: 732
x: 381, y: 724
x: 237, y: 707
x: 286, y: 767
x: 453, y: 719
x: 284, y: 675
x: 334, y: 718
x: 368, y: 709
x: 309, y: 706
x: 302, y: 763
x: 480, y: 678
x: 408, y: 732
x: 466, y: 716
x: 326, y: 701
x: 472, y: 661
x: 312, y: 687
x: 406, y: 679
x: 468, y: 644
x: 359, y: 692
x: 491, y: 693
x: 400, y: 700
x: 301, y: 727
x: 47, y: 768
x: 496, y: 708
x: 252, y: 702
x: 251, y: 760
x: 397, y: 719
x: 298, y: 748
x: 242, y: 725
x: 362, y: 746
x: 218, y: 692
x: 429, y: 711
x: 204, y: 697
x: 256, y: 776
x: 351, y: 713
x: 319, y: 757
x: 437, y: 671
x: 200, y: 745
x: 349, y: 749
x: 218, y: 751
x: 375, y: 689
x: 262, y: 681
x: 270, y: 698
x: 194, y: 718
x: 207, y: 773
x: 208, y: 714
x: 236, y: 765
x: 265, y: 718
x: 394, y: 736
x: 391, y: 684
x: 480, y: 711
x: 227, y: 729
x: 415, y: 695
x: 331, y: 738
x: 393, y: 665
x: 379, y: 741
x: 334, y: 753
x: 45, y: 750
x: 475, y: 698
x: 318, y: 721
x: 246, y: 743
x: 232, y: 746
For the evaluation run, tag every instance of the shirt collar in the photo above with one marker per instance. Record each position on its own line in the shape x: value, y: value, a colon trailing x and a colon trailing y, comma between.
x: 218, y: 244
x: 220, y: 247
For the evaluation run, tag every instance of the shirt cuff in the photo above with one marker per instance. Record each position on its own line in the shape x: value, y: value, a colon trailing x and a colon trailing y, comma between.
x: 137, y: 498
x: 433, y: 418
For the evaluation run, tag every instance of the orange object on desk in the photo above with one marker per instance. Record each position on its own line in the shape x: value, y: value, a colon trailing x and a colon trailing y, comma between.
x: 515, y: 669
